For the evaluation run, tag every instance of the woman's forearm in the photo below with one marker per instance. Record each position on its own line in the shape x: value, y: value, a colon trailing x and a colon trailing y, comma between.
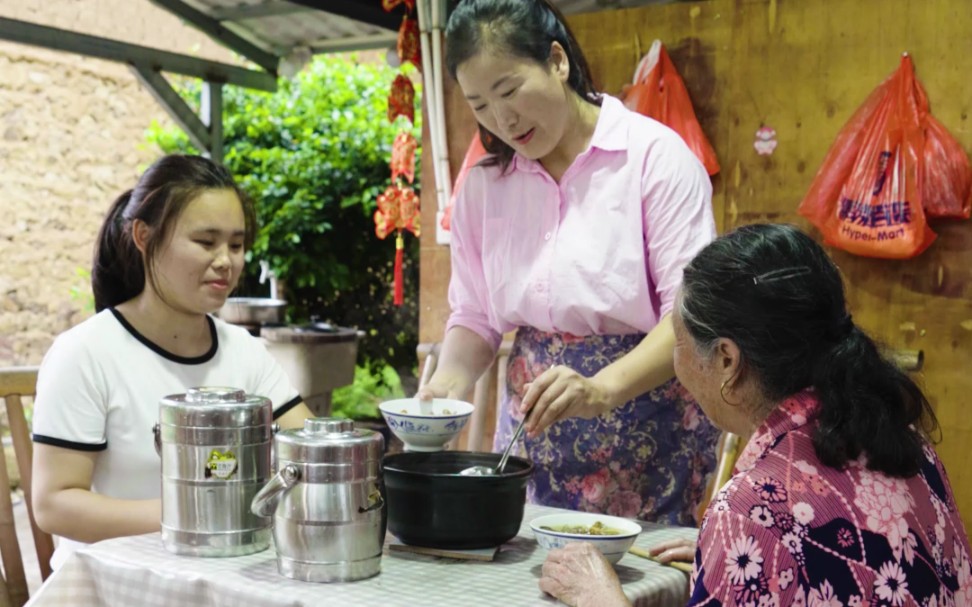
x: 463, y: 357
x: 84, y: 516
x: 647, y: 366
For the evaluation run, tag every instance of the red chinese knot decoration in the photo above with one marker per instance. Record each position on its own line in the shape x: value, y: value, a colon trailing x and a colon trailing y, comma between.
x: 401, y: 101
x: 403, y: 157
x: 398, y: 206
x: 398, y: 210
x: 389, y: 5
x: 409, y: 46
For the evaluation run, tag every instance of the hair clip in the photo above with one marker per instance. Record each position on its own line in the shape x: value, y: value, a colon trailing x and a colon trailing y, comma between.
x: 781, y: 274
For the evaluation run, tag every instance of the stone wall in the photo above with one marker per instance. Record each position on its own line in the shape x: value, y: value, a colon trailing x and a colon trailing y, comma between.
x: 72, y: 137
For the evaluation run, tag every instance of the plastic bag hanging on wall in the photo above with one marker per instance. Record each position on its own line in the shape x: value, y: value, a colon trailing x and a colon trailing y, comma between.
x: 659, y: 92
x: 474, y: 153
x: 947, y: 189
x: 867, y: 196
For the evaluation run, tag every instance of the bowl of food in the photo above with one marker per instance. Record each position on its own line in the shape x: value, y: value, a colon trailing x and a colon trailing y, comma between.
x: 425, y: 425
x: 609, y: 534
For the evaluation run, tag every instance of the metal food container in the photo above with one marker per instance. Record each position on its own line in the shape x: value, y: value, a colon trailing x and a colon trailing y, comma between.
x: 253, y: 310
x: 327, y: 501
x: 215, y: 445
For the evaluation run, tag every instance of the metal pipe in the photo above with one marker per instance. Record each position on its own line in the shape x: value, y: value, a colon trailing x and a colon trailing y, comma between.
x: 437, y: 28
x: 428, y: 69
x: 907, y: 360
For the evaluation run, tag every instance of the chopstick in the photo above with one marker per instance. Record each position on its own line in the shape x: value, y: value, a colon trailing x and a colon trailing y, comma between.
x: 680, y: 565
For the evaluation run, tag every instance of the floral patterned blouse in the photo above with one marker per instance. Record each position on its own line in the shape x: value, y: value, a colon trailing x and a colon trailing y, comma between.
x: 788, y: 530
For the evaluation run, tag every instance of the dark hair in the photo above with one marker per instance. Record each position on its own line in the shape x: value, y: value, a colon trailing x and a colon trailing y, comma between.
x: 775, y: 292
x: 158, y: 199
x: 522, y: 28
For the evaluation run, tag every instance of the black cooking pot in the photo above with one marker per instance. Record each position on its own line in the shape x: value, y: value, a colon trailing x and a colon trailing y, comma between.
x: 430, y: 504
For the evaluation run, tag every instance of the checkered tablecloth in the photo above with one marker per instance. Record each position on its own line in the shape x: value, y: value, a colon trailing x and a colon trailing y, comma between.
x: 139, y: 572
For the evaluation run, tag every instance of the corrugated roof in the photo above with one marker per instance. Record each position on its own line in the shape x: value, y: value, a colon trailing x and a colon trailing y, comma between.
x: 279, y: 26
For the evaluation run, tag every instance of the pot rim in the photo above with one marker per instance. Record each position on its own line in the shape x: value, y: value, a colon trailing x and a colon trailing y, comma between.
x: 390, y: 460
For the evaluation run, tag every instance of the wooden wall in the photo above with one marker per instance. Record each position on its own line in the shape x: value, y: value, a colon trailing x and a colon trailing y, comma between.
x: 801, y: 67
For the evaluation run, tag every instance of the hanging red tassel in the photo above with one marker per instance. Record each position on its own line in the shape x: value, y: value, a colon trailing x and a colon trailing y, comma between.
x: 399, y: 254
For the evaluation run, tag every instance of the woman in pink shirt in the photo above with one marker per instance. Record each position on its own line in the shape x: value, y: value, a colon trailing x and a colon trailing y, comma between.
x: 573, y: 232
x: 838, y: 497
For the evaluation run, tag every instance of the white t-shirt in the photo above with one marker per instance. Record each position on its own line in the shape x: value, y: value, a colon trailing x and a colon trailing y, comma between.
x: 101, y: 382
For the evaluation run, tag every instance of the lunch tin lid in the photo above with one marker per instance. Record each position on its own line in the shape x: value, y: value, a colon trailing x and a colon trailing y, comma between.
x: 216, y: 406
x: 328, y: 440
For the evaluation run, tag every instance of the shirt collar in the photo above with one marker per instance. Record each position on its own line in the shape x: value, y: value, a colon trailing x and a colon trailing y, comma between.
x: 611, y: 130
x: 792, y: 414
x: 610, y: 133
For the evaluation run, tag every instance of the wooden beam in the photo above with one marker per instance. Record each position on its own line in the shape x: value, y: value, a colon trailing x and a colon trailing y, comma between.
x: 217, y: 31
x: 365, y: 11
x: 212, y: 116
x: 175, y: 106
x: 353, y: 43
x: 113, y: 50
x: 272, y: 8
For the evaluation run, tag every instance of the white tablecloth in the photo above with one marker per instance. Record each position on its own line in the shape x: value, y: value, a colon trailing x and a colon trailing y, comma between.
x: 139, y: 572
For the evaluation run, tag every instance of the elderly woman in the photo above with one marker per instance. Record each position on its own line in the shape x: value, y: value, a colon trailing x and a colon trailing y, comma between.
x: 838, y: 499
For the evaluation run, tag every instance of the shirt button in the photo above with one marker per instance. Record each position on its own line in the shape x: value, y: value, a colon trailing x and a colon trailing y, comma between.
x: 547, y: 236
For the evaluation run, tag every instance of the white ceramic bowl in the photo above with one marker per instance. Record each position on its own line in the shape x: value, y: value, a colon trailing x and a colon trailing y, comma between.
x: 425, y: 426
x: 613, y: 547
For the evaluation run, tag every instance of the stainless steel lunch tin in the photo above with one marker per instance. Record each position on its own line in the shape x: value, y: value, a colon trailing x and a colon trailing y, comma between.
x: 215, y: 446
x: 327, y: 501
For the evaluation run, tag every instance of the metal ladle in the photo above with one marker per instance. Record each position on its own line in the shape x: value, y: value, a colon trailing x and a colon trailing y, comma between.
x: 486, y: 470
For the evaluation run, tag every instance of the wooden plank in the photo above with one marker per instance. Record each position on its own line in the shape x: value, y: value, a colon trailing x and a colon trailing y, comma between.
x: 13, y: 563
x: 24, y: 451
x: 805, y: 75
x: 18, y: 380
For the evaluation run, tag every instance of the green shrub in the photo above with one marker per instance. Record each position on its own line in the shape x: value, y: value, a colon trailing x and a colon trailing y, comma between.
x: 314, y: 156
x: 371, y: 387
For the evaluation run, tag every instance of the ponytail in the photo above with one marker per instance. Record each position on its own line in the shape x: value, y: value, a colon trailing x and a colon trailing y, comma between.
x: 869, y: 406
x: 117, y: 273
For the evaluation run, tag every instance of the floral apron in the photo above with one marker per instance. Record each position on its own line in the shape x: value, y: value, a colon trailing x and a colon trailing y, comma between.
x: 648, y: 459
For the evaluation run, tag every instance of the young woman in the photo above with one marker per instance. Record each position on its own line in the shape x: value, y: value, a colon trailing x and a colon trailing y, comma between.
x: 169, y: 253
x: 573, y: 232
x: 839, y: 498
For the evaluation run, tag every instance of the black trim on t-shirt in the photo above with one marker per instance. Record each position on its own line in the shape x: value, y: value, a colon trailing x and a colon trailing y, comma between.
x: 66, y: 444
x: 185, y: 360
x: 287, y: 406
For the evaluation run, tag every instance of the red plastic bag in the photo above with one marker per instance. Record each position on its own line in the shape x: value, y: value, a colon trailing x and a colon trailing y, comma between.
x: 947, y: 189
x: 659, y: 92
x: 474, y: 153
x: 876, y: 170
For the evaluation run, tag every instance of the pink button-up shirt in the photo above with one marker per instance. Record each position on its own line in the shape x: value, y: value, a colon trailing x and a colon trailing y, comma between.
x: 599, y: 253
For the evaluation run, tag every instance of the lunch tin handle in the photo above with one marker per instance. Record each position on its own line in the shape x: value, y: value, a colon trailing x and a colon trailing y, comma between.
x: 375, y: 502
x: 265, y: 501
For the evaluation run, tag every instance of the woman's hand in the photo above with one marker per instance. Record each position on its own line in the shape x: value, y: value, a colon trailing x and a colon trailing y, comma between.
x: 674, y: 550
x: 559, y: 393
x: 579, y: 575
x: 457, y: 365
x: 440, y: 387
